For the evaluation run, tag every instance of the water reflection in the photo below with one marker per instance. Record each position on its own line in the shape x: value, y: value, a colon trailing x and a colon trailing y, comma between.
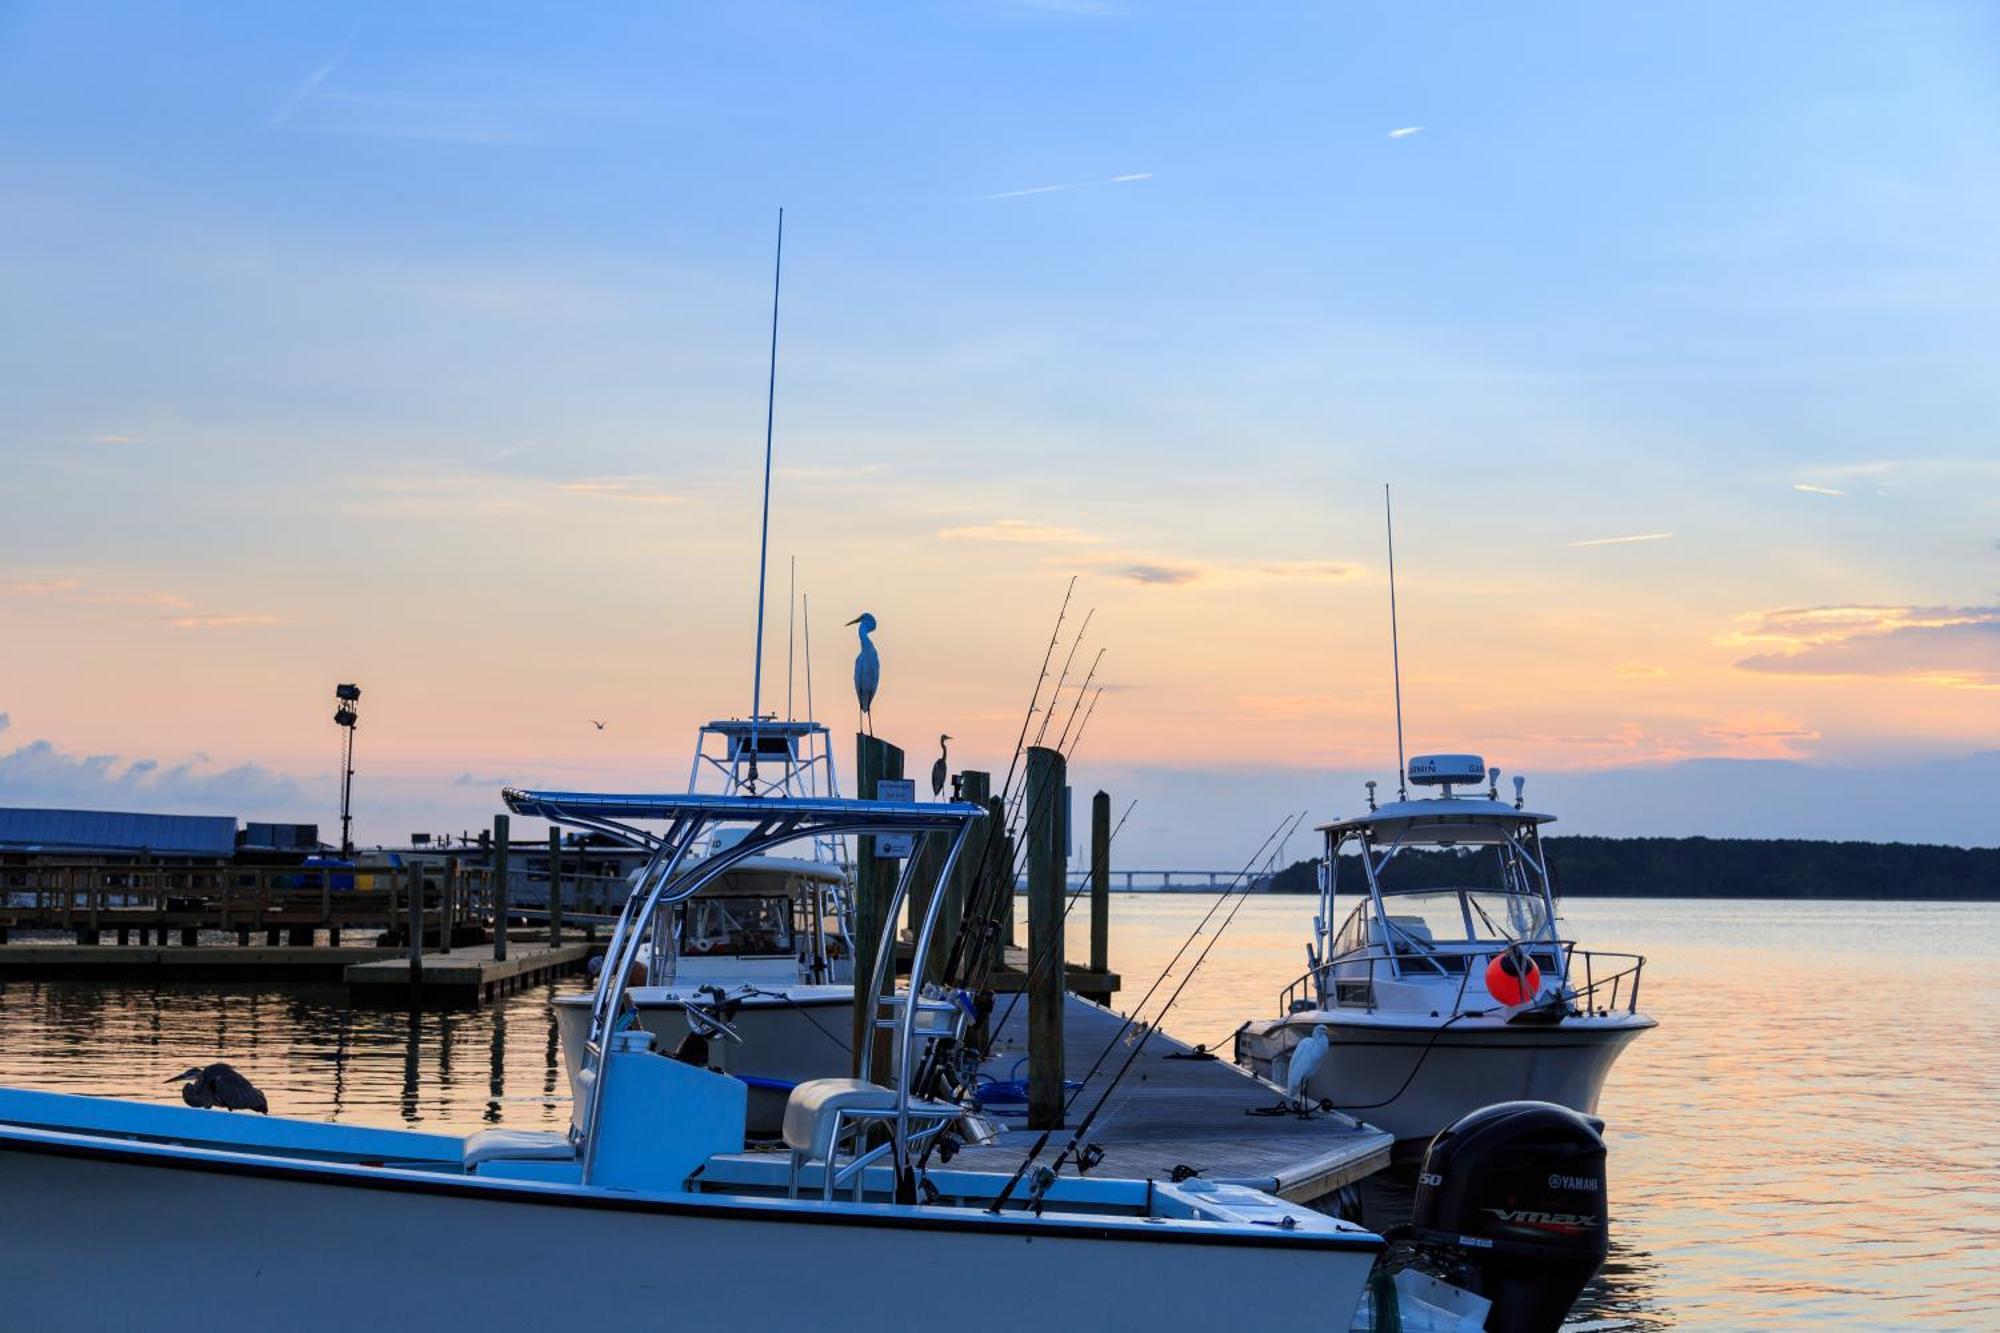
x: 1787, y: 1148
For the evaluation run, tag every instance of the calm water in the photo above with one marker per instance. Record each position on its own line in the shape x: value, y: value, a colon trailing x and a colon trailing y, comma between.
x: 1808, y: 1139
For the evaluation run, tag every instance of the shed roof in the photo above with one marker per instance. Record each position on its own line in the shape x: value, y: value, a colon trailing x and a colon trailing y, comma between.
x: 35, y: 830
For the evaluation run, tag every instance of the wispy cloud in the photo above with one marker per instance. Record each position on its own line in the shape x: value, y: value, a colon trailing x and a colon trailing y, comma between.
x: 224, y: 620
x: 1016, y: 530
x: 1639, y: 671
x: 1167, y: 571
x: 828, y: 471
x: 36, y: 587
x: 640, y: 489
x: 1171, y: 576
x: 1126, y: 179
x: 508, y: 452
x: 1811, y: 489
x: 1957, y: 647
x: 1621, y: 541
x: 111, y: 439
x: 1406, y: 131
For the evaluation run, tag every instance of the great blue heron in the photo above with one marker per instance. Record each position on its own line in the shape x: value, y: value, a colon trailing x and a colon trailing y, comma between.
x: 220, y: 1085
x: 1306, y: 1059
x: 940, y: 770
x: 867, y: 669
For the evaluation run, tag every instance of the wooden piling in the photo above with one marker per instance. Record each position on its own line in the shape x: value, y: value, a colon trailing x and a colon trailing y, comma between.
x: 416, y: 929
x: 976, y: 787
x: 501, y: 832
x: 555, y: 888
x: 1044, y: 833
x: 1100, y: 891
x: 874, y: 889
x: 447, y: 903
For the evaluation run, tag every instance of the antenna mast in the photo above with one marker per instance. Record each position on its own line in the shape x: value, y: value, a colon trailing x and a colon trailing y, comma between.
x: 764, y: 535
x: 1395, y: 648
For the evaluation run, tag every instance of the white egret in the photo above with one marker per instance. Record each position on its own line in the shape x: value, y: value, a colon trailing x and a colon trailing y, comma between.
x: 1306, y: 1059
x: 867, y: 669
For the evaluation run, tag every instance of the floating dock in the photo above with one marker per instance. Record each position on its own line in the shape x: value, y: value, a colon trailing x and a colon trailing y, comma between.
x: 467, y: 977
x: 1171, y: 1112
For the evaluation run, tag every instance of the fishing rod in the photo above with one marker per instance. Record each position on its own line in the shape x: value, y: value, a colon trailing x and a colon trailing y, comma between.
x: 982, y: 893
x: 1033, y: 1153
x: 1077, y: 703
x: 1055, y: 701
x: 982, y: 927
x: 1270, y: 862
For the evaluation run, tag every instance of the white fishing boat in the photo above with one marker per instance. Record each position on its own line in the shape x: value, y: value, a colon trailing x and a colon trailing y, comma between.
x: 302, y: 1225
x: 1404, y: 991
x: 766, y: 942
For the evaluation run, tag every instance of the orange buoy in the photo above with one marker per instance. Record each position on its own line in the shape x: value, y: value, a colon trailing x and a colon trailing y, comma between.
x: 1512, y: 977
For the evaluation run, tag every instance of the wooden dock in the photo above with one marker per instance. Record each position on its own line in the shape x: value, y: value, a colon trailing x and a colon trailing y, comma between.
x: 464, y: 976
x: 147, y: 964
x: 1170, y: 1113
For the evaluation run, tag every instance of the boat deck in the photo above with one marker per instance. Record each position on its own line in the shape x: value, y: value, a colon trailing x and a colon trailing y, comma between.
x: 1178, y: 1112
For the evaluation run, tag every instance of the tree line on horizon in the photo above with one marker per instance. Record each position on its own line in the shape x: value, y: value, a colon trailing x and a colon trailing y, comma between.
x: 1588, y: 867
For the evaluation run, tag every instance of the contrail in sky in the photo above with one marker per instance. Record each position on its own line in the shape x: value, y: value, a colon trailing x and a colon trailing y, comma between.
x: 1406, y: 131
x: 1811, y: 489
x: 1077, y: 185
x: 312, y: 81
x: 1618, y: 541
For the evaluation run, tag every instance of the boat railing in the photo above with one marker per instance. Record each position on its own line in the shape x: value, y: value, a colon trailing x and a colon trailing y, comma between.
x: 1609, y: 983
x: 1600, y: 982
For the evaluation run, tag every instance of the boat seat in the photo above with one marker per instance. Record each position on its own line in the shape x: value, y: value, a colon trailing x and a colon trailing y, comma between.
x: 517, y: 1145
x: 821, y: 1111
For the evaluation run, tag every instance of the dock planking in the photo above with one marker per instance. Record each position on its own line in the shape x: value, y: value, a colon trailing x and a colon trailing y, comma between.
x: 464, y: 977
x: 1169, y: 1113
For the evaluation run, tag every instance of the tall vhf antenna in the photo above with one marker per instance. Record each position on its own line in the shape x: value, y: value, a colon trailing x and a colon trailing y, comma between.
x: 764, y: 535
x: 1395, y: 647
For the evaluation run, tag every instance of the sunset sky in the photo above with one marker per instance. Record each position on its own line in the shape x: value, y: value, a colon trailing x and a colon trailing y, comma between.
x: 424, y: 347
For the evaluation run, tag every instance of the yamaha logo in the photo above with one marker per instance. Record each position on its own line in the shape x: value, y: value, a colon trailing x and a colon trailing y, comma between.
x: 1562, y: 1182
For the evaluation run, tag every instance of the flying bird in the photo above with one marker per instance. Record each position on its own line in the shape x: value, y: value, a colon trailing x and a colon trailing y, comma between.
x: 867, y: 669
x: 1307, y: 1057
x: 595, y: 723
x: 220, y: 1085
x: 939, y: 770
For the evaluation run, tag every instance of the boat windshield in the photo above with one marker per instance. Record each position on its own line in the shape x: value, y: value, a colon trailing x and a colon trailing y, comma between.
x: 1437, y: 916
x: 744, y: 926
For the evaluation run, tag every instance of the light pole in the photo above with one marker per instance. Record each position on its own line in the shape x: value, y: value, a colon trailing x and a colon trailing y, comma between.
x: 346, y: 715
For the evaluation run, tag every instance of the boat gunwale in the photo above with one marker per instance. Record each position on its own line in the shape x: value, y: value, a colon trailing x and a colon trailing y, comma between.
x: 342, y: 1175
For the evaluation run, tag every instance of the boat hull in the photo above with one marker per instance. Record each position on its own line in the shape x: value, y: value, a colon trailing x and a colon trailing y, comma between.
x: 785, y: 1041
x: 1413, y: 1081
x: 166, y: 1235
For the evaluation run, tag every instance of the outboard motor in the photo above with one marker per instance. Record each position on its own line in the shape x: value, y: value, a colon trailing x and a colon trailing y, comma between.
x: 1511, y: 1205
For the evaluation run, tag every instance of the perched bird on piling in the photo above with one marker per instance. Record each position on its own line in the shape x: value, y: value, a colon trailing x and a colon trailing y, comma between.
x: 220, y: 1085
x: 1306, y: 1059
x: 867, y: 669
x: 939, y: 770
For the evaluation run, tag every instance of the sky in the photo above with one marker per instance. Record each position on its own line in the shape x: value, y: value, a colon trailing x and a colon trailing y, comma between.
x: 425, y: 347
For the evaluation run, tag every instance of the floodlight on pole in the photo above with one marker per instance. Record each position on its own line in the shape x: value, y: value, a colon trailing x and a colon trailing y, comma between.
x: 346, y: 715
